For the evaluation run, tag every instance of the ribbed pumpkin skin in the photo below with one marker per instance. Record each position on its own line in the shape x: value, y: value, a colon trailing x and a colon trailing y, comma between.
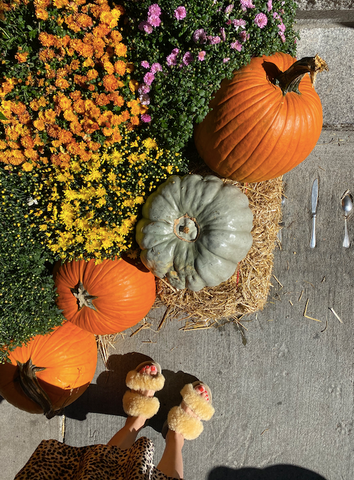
x: 216, y: 237
x: 125, y: 294
x: 254, y: 132
x: 69, y: 355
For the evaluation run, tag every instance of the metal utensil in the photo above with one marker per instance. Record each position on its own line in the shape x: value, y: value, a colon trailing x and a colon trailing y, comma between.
x: 314, y: 201
x: 347, y: 206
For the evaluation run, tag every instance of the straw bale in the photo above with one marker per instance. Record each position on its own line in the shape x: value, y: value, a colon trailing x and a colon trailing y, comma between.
x: 247, y: 290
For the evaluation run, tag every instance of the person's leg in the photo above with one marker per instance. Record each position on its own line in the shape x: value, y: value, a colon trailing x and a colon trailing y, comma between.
x: 171, y: 463
x: 126, y: 436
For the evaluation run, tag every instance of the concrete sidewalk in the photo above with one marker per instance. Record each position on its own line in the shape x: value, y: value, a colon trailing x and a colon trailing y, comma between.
x: 283, y: 388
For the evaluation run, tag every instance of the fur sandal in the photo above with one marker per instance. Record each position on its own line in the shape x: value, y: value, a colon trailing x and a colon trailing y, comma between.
x: 181, y: 422
x: 134, y: 403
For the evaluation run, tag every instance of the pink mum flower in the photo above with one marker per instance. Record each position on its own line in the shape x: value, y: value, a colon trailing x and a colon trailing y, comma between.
x: 199, y: 36
x: 214, y: 40
x: 145, y: 64
x: 236, y: 46
x: 201, y: 55
x: 261, y: 20
x: 144, y: 99
x: 143, y: 89
x: 154, y: 20
x: 156, y: 67
x: 238, y: 23
x: 145, y: 118
x: 229, y: 9
x: 246, y: 4
x: 244, y: 36
x: 188, y: 58
x: 180, y: 13
x: 154, y: 9
x: 269, y: 5
x: 145, y: 27
x: 149, y: 78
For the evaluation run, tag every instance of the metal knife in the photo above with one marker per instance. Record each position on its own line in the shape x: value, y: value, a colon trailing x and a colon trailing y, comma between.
x: 314, y: 201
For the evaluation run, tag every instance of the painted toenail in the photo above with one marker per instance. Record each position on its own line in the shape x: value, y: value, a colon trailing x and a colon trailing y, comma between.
x: 201, y: 388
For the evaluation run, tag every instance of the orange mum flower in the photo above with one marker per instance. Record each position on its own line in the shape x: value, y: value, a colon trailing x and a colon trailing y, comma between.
x: 120, y: 67
x: 134, y: 120
x: 18, y: 108
x: 60, y: 3
x: 120, y: 50
x: 83, y: 20
x: 86, y: 50
x: 79, y: 106
x: 94, y: 146
x: 116, y: 137
x: 21, y: 57
x: 110, y: 83
x: 46, y: 39
x: 64, y: 102
x: 116, y: 99
x: 92, y: 74
x: 42, y: 102
x: 75, y: 95
x: 39, y: 125
x: 102, y: 99
x: 101, y: 31
x: 108, y: 67
x: 27, y: 167
x: 60, y: 82
x: 30, y: 153
x: 75, y: 64
x: 76, y: 128
x: 50, y: 116
x: 107, y: 132
x: 41, y: 14
x: 27, y: 141
x: 116, y: 36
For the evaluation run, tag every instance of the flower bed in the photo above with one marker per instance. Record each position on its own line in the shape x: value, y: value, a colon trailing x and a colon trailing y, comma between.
x: 97, y: 105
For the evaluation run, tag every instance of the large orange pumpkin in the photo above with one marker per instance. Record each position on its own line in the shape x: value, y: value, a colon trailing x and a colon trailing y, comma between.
x: 51, y: 371
x: 264, y: 121
x: 105, y: 298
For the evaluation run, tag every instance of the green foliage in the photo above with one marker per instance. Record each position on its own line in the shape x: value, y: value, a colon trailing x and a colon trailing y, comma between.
x: 180, y: 93
x: 27, y: 294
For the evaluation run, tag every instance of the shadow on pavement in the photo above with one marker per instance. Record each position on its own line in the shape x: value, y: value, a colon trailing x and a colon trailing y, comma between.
x: 275, y: 472
x: 105, y: 396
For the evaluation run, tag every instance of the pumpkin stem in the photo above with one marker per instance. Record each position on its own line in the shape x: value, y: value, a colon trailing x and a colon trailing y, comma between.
x: 289, y: 80
x: 186, y: 228
x: 31, y: 387
x: 84, y: 299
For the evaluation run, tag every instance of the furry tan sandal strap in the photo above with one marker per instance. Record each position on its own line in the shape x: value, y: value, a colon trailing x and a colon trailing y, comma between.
x: 135, y: 404
x: 182, y: 422
x: 136, y: 380
x: 201, y: 407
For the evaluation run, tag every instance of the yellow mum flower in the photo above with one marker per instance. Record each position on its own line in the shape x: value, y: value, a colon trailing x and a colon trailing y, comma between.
x: 149, y: 143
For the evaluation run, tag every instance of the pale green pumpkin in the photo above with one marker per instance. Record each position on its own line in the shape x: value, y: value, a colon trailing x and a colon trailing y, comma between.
x: 194, y: 231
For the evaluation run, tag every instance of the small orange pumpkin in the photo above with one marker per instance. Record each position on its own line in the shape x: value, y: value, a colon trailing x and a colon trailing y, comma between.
x: 264, y: 121
x: 105, y: 298
x: 51, y: 371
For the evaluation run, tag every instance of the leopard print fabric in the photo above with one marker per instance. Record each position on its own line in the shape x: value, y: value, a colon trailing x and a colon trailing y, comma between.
x: 53, y: 460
